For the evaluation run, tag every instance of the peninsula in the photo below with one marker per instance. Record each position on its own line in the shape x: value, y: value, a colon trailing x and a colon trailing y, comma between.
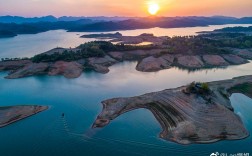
x: 196, y: 113
x: 208, y: 50
x: 11, y: 114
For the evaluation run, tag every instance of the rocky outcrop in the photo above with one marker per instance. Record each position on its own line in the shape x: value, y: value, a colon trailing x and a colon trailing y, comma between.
x: 137, y: 54
x: 185, y: 118
x: 11, y: 114
x: 144, y: 53
x: 60, y: 50
x: 101, y: 64
x: 244, y: 53
x: 81, y: 61
x: 151, y: 63
x: 13, y: 65
x: 29, y: 70
x: 190, y: 61
x: 214, y: 60
x: 67, y: 69
x: 99, y: 68
x: 104, y: 61
x: 148, y: 61
x: 234, y: 59
x: 168, y: 57
x: 117, y: 55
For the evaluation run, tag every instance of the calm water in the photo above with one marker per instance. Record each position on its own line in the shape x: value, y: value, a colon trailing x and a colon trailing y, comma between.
x: 133, y: 133
x: 29, y: 45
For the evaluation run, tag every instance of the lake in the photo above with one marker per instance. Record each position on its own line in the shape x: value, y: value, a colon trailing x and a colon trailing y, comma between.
x: 133, y: 133
x: 32, y: 44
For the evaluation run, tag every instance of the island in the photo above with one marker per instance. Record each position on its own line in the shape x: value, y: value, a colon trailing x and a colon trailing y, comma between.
x: 103, y: 35
x: 208, y: 50
x: 195, y: 113
x: 11, y: 114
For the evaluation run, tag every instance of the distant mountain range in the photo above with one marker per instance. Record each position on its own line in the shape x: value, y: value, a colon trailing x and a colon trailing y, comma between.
x: 19, y: 19
x: 50, y: 18
x: 13, y: 25
x: 162, y: 22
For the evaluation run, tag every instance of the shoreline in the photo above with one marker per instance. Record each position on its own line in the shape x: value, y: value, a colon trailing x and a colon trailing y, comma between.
x: 188, y: 52
x: 12, y: 114
x: 183, y: 116
x: 148, y: 61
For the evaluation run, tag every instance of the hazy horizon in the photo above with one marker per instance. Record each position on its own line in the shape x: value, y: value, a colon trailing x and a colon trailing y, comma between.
x: 124, y: 8
x: 84, y: 16
x: 118, y: 16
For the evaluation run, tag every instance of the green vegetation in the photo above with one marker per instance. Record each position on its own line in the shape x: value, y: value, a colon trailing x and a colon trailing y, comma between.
x: 233, y: 40
x: 198, y: 88
x: 194, y: 45
x: 235, y: 29
x: 90, y: 49
x: 205, y: 87
x: 214, y: 43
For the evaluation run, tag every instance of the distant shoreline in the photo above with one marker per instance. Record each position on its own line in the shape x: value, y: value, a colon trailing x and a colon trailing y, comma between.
x: 191, y: 114
x: 94, y: 25
x: 12, y: 114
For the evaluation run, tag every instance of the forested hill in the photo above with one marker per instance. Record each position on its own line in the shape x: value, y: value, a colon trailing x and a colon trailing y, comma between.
x: 116, y: 23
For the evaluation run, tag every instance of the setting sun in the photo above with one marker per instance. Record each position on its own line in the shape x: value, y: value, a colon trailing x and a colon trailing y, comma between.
x: 153, y: 8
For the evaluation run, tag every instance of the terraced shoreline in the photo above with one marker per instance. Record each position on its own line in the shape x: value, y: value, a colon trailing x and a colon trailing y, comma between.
x: 187, y: 118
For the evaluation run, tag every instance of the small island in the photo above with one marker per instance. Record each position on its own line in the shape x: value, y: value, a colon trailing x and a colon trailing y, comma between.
x: 11, y: 114
x: 196, y: 113
x: 103, y: 36
x: 211, y: 50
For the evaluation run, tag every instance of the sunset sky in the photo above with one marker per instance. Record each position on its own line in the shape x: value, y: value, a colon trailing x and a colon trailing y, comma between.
x: 31, y: 8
